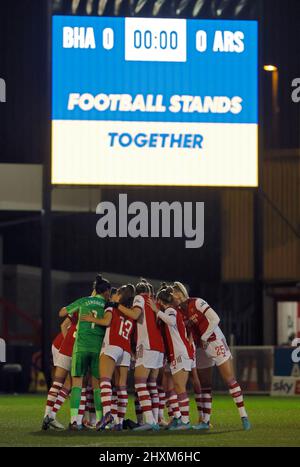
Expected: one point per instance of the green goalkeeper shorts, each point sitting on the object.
(83, 362)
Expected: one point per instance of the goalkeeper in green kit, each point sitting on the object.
(87, 346)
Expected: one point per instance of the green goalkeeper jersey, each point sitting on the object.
(89, 336)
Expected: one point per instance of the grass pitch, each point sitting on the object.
(275, 422)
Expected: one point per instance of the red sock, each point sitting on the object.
(87, 403)
(81, 406)
(199, 404)
(173, 403)
(138, 409)
(144, 399)
(236, 392)
(152, 388)
(61, 397)
(206, 401)
(106, 394)
(52, 395)
(162, 401)
(122, 402)
(184, 407)
(114, 403)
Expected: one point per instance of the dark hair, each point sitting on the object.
(165, 295)
(150, 286)
(142, 287)
(163, 285)
(127, 293)
(101, 285)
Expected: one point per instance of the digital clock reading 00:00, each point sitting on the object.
(155, 39)
(148, 39)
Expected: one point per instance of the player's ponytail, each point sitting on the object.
(163, 285)
(101, 285)
(142, 279)
(166, 295)
(142, 287)
(149, 287)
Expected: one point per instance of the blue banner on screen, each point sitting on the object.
(148, 101)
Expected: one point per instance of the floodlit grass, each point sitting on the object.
(275, 422)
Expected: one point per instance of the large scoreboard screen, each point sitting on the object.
(149, 101)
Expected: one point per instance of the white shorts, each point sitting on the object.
(216, 353)
(55, 354)
(181, 363)
(119, 355)
(149, 358)
(63, 361)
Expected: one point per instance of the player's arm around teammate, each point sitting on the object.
(212, 350)
(105, 321)
(88, 343)
(179, 353)
(149, 356)
(65, 325)
(115, 354)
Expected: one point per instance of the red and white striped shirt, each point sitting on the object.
(176, 340)
(148, 332)
(120, 330)
(204, 321)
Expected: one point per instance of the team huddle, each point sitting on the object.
(165, 338)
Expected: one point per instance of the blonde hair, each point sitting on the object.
(179, 286)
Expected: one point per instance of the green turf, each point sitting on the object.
(276, 422)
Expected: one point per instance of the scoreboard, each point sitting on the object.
(151, 101)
